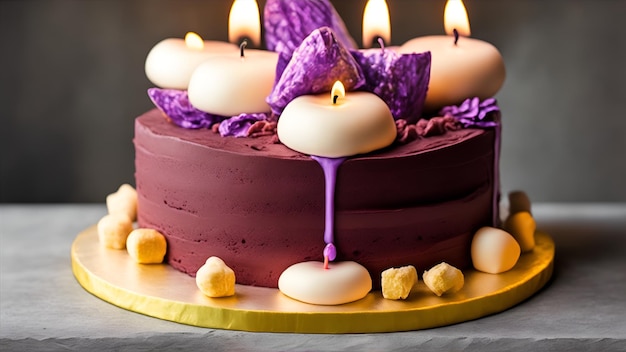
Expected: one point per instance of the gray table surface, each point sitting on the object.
(42, 307)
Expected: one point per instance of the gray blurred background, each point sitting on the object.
(72, 81)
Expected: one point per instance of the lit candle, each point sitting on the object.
(234, 84)
(243, 22)
(461, 67)
(337, 125)
(376, 23)
(171, 62)
(237, 83)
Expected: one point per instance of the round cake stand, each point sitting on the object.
(160, 291)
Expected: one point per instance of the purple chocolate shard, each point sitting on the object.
(288, 22)
(175, 105)
(314, 67)
(239, 126)
(400, 80)
(474, 113)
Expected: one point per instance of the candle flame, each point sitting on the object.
(455, 17)
(194, 41)
(376, 22)
(244, 22)
(338, 91)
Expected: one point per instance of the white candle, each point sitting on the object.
(469, 68)
(230, 85)
(337, 125)
(171, 62)
(309, 282)
(376, 22)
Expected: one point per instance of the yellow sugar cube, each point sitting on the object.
(113, 229)
(146, 246)
(397, 282)
(522, 226)
(124, 201)
(519, 201)
(215, 278)
(444, 278)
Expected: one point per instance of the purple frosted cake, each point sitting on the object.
(227, 187)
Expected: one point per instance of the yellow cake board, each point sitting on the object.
(160, 291)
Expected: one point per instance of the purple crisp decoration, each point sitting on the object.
(314, 67)
(288, 22)
(400, 80)
(474, 113)
(239, 126)
(175, 105)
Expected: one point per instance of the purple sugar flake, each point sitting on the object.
(239, 126)
(474, 113)
(314, 67)
(288, 22)
(400, 80)
(175, 105)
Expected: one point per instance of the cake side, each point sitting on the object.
(260, 205)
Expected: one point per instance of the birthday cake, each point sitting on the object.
(260, 205)
(333, 155)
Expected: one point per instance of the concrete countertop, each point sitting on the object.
(43, 308)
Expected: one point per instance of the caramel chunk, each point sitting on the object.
(397, 282)
(443, 278)
(215, 278)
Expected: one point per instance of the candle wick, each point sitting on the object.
(335, 97)
(456, 35)
(242, 46)
(325, 262)
(381, 42)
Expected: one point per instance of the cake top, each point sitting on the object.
(310, 51)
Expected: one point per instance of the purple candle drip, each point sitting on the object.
(330, 167)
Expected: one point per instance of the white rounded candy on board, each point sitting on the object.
(309, 282)
(494, 251)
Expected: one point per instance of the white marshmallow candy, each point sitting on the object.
(124, 201)
(494, 251)
(113, 230)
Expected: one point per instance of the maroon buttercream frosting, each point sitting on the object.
(260, 206)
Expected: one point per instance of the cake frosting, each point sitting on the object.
(259, 205)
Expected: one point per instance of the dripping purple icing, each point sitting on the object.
(330, 167)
